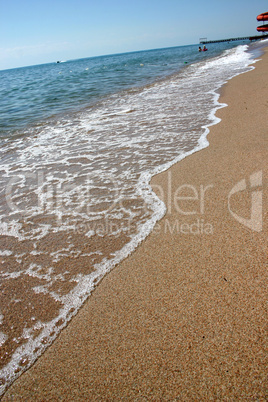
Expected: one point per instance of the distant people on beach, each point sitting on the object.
(204, 48)
(200, 50)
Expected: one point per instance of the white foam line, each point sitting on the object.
(84, 288)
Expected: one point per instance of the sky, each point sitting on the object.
(43, 31)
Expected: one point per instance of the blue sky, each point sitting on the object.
(43, 31)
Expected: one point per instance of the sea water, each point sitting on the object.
(80, 141)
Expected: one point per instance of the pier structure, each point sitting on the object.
(204, 41)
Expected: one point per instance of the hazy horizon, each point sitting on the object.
(40, 33)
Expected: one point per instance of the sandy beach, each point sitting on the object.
(185, 316)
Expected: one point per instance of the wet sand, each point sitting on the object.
(185, 316)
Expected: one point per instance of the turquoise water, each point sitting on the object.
(31, 95)
(80, 141)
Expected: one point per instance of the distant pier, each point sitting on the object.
(204, 41)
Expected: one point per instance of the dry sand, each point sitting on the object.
(184, 317)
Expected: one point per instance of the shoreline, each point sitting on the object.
(147, 330)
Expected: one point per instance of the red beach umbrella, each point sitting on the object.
(263, 28)
(263, 17)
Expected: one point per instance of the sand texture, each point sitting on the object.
(185, 316)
